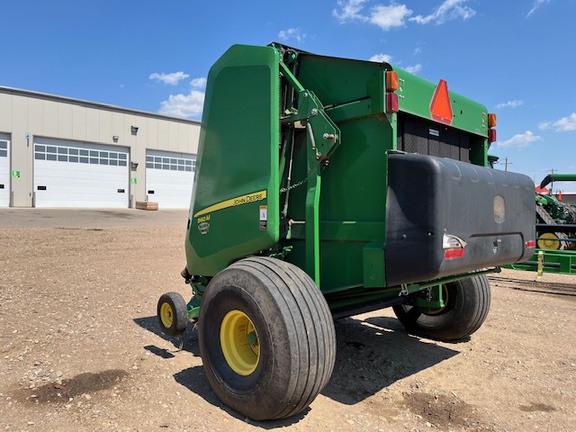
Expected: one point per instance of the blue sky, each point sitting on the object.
(516, 57)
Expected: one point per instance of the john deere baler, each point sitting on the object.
(326, 187)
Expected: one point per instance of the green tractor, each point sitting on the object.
(555, 219)
(328, 187)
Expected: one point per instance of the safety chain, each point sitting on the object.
(301, 182)
(294, 186)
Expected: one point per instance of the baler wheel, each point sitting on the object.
(266, 338)
(240, 343)
(549, 241)
(467, 306)
(172, 313)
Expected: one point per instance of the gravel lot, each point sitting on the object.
(80, 348)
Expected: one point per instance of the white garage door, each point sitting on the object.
(169, 178)
(76, 174)
(4, 171)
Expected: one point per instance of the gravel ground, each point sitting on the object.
(80, 348)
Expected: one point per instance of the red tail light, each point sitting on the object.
(392, 103)
(491, 135)
(454, 253)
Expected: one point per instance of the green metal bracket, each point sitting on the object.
(281, 254)
(313, 224)
(322, 138)
(193, 313)
(323, 134)
(287, 73)
(193, 308)
(413, 288)
(198, 289)
(434, 301)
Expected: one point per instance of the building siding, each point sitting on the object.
(28, 114)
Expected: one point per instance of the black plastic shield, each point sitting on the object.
(436, 206)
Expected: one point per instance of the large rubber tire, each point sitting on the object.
(277, 330)
(172, 313)
(467, 306)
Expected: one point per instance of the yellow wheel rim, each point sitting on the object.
(549, 241)
(166, 315)
(239, 341)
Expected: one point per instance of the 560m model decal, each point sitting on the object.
(241, 200)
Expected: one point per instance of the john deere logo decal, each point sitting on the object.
(204, 227)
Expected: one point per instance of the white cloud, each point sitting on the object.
(413, 69)
(198, 83)
(536, 5)
(510, 104)
(520, 140)
(169, 78)
(395, 15)
(349, 11)
(380, 58)
(387, 17)
(186, 105)
(182, 105)
(449, 10)
(292, 34)
(565, 124)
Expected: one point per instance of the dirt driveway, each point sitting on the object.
(80, 348)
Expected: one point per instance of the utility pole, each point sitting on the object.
(506, 164)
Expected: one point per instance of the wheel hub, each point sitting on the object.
(239, 342)
(166, 315)
(549, 241)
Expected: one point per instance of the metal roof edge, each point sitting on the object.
(70, 100)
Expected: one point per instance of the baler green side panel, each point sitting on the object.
(354, 184)
(235, 204)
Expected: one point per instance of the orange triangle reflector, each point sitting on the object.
(440, 107)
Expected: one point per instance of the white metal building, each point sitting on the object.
(62, 152)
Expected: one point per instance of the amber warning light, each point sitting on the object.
(392, 81)
(492, 120)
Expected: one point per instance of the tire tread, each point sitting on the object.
(309, 328)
